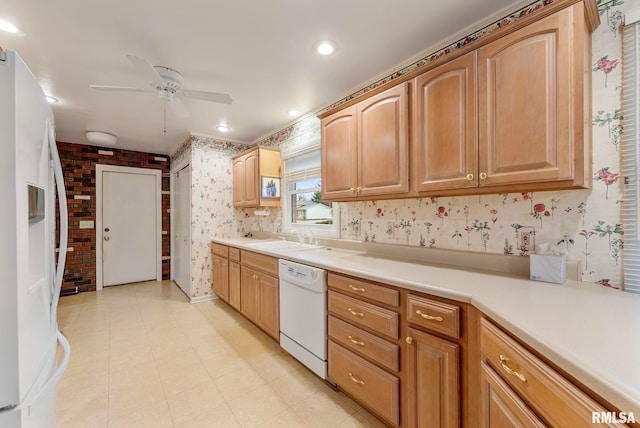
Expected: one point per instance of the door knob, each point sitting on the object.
(106, 238)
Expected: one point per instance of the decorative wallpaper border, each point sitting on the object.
(298, 129)
(210, 143)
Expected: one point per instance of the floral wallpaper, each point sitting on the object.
(585, 222)
(212, 213)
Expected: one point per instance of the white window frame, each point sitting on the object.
(317, 230)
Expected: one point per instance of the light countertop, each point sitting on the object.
(590, 331)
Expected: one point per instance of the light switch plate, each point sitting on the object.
(86, 224)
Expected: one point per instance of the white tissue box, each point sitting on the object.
(548, 268)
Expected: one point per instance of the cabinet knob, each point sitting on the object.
(358, 189)
(409, 340)
(352, 190)
(483, 176)
(470, 177)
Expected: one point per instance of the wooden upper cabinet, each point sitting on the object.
(365, 148)
(248, 169)
(532, 115)
(339, 154)
(383, 149)
(445, 154)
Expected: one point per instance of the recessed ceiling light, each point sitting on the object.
(223, 128)
(325, 47)
(294, 113)
(8, 27)
(52, 100)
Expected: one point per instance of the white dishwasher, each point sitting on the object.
(303, 314)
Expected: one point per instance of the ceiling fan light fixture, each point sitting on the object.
(101, 138)
(325, 47)
(223, 128)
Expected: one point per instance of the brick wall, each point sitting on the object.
(79, 168)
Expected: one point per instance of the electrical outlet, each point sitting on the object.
(524, 241)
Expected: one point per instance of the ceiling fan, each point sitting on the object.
(168, 85)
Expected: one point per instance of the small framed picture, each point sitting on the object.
(270, 187)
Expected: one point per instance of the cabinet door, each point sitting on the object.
(339, 154)
(433, 381)
(221, 277)
(529, 98)
(238, 182)
(501, 406)
(234, 284)
(383, 150)
(269, 312)
(250, 293)
(251, 178)
(445, 143)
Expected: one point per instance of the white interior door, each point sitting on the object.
(129, 227)
(182, 235)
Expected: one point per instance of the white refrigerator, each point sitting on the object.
(30, 275)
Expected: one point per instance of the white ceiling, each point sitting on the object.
(259, 51)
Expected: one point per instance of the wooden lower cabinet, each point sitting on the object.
(501, 406)
(375, 388)
(552, 397)
(249, 295)
(259, 300)
(269, 303)
(234, 285)
(221, 277)
(433, 381)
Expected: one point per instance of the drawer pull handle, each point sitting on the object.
(255, 276)
(358, 314)
(359, 289)
(355, 341)
(355, 379)
(503, 363)
(428, 317)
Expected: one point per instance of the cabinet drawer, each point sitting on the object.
(376, 388)
(361, 288)
(434, 315)
(220, 250)
(260, 261)
(549, 394)
(364, 314)
(234, 254)
(380, 351)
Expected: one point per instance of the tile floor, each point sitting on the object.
(143, 356)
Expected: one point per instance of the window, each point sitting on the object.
(302, 205)
(630, 166)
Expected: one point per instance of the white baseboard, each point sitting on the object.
(200, 299)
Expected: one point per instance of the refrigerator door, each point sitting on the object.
(27, 333)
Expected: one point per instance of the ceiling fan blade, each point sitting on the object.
(208, 96)
(147, 69)
(118, 88)
(178, 107)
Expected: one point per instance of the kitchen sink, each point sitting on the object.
(283, 246)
